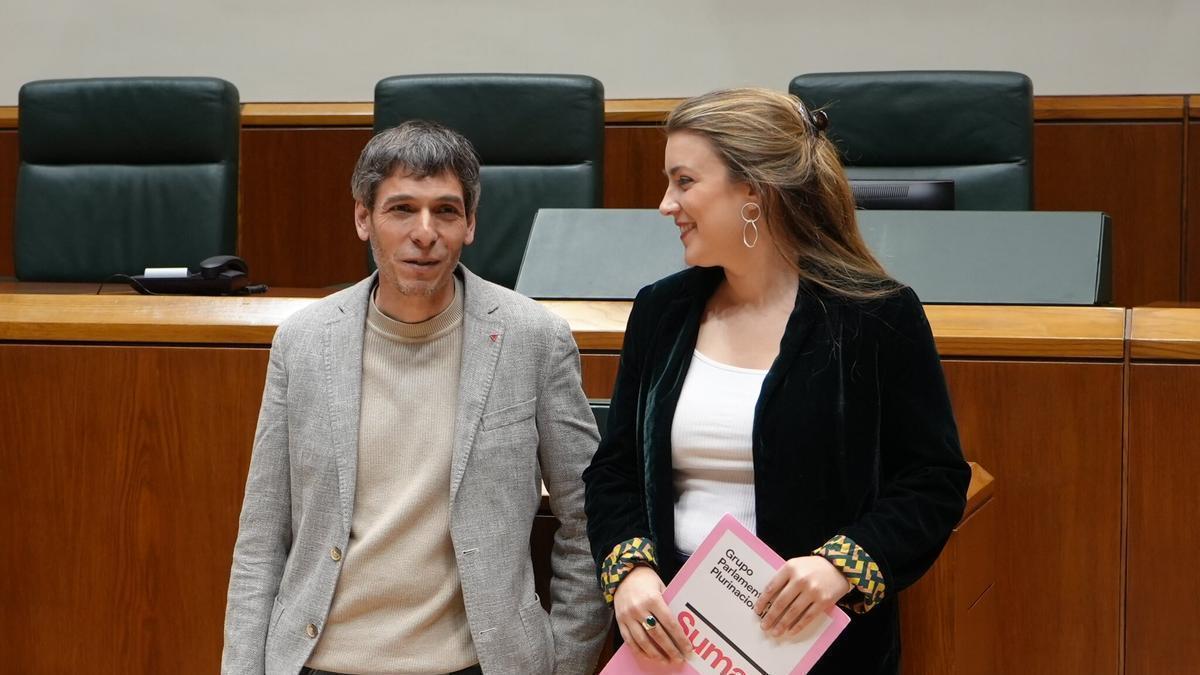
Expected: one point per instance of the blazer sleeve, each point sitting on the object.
(264, 532)
(614, 481)
(923, 476)
(567, 439)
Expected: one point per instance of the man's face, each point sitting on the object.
(417, 231)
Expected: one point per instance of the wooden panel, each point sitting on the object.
(121, 481)
(297, 218)
(599, 374)
(655, 111)
(10, 160)
(1051, 434)
(978, 633)
(1108, 108)
(633, 167)
(135, 318)
(1168, 333)
(596, 325)
(975, 545)
(1087, 332)
(981, 330)
(941, 618)
(639, 110)
(1162, 593)
(1191, 234)
(1133, 172)
(927, 623)
(308, 114)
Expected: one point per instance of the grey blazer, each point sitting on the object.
(522, 415)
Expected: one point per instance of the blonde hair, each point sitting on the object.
(769, 140)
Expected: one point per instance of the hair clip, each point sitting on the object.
(819, 119)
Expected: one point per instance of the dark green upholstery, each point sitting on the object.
(120, 174)
(540, 140)
(974, 127)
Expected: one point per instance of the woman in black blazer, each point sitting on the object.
(844, 456)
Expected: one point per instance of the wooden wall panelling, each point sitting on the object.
(633, 166)
(1163, 594)
(1191, 233)
(107, 568)
(297, 215)
(1133, 172)
(9, 161)
(599, 372)
(1050, 432)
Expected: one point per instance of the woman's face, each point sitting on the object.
(705, 203)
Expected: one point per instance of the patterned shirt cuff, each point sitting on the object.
(624, 557)
(859, 569)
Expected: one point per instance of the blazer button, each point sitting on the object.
(310, 630)
(335, 553)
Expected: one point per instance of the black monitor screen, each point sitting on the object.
(923, 195)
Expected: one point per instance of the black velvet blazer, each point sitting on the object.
(853, 435)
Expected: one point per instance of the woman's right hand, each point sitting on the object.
(638, 596)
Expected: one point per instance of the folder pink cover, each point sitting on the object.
(712, 598)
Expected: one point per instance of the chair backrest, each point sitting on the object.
(973, 127)
(120, 174)
(968, 257)
(600, 412)
(540, 140)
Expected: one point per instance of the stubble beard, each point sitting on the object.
(407, 288)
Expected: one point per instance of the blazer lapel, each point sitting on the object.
(343, 376)
(483, 338)
(809, 311)
(668, 358)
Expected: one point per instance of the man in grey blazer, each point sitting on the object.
(405, 425)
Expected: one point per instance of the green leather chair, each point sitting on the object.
(120, 174)
(973, 127)
(540, 140)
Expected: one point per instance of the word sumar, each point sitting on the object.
(713, 656)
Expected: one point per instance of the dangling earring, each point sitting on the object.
(750, 224)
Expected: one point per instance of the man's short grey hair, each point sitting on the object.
(421, 149)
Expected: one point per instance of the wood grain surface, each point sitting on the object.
(121, 480)
(1132, 172)
(297, 219)
(357, 114)
(1165, 333)
(1108, 108)
(655, 110)
(948, 619)
(1051, 434)
(633, 167)
(1162, 596)
(136, 318)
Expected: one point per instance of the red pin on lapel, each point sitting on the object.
(495, 336)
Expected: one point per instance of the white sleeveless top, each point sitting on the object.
(711, 448)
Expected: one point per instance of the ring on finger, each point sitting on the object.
(649, 623)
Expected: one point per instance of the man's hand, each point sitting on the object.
(639, 596)
(803, 589)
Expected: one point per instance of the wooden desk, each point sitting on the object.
(118, 410)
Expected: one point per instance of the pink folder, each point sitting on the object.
(711, 597)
